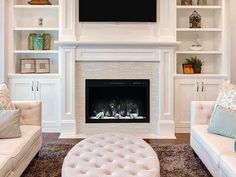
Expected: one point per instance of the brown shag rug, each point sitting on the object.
(175, 161)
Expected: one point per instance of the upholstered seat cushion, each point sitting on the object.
(16, 148)
(228, 165)
(5, 165)
(115, 155)
(215, 145)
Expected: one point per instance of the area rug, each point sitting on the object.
(175, 161)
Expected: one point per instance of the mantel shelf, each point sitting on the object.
(36, 29)
(35, 51)
(36, 6)
(198, 7)
(199, 29)
(200, 52)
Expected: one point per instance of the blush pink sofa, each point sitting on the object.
(16, 153)
(216, 152)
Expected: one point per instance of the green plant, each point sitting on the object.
(195, 62)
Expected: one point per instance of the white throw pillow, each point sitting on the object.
(10, 124)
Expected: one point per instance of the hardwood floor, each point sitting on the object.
(180, 139)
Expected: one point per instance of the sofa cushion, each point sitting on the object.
(214, 145)
(5, 165)
(227, 96)
(223, 122)
(10, 124)
(16, 148)
(228, 165)
(5, 101)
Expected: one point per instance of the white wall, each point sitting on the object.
(233, 37)
(1, 41)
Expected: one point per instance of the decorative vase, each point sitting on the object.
(195, 20)
(38, 42)
(201, 2)
(46, 41)
(31, 41)
(186, 2)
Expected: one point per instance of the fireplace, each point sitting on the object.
(117, 101)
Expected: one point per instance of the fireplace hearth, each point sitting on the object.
(117, 101)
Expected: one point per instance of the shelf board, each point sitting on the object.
(199, 7)
(199, 29)
(47, 75)
(36, 29)
(199, 75)
(36, 51)
(200, 52)
(36, 6)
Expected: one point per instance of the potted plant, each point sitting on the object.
(196, 63)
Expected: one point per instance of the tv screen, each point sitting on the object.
(117, 10)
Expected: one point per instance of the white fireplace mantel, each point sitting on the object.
(72, 52)
(117, 42)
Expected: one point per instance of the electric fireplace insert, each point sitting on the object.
(117, 101)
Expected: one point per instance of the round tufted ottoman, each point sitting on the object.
(111, 155)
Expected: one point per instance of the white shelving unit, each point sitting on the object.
(25, 21)
(204, 86)
(211, 34)
(44, 87)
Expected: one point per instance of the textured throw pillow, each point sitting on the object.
(10, 124)
(5, 101)
(223, 121)
(227, 96)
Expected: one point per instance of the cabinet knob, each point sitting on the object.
(202, 86)
(197, 86)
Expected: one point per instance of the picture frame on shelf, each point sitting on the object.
(27, 66)
(42, 65)
(188, 69)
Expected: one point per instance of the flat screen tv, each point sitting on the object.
(117, 10)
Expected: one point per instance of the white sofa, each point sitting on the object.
(16, 154)
(216, 152)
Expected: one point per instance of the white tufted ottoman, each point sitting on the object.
(111, 155)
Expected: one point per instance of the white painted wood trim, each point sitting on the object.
(67, 23)
(67, 57)
(167, 20)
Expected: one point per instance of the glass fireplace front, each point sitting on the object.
(117, 101)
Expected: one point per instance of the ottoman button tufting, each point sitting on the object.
(115, 155)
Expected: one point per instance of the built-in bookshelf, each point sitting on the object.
(25, 20)
(211, 35)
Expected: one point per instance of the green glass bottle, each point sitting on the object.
(38, 42)
(46, 41)
(201, 2)
(31, 41)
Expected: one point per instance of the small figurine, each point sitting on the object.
(40, 22)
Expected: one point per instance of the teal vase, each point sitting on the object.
(38, 42)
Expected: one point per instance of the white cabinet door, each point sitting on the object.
(210, 89)
(186, 91)
(22, 89)
(47, 91)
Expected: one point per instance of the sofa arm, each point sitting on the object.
(31, 112)
(201, 112)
